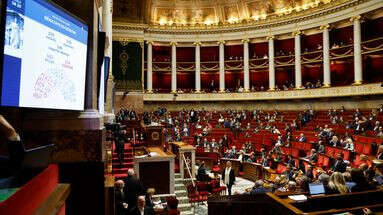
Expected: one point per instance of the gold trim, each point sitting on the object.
(245, 40)
(271, 89)
(221, 42)
(197, 43)
(173, 43)
(324, 27)
(272, 37)
(358, 82)
(297, 32)
(326, 85)
(354, 18)
(329, 92)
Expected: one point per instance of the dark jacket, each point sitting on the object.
(339, 166)
(133, 188)
(231, 174)
(119, 200)
(136, 211)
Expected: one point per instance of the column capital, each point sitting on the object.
(149, 42)
(246, 40)
(297, 33)
(173, 43)
(355, 18)
(324, 27)
(271, 37)
(197, 43)
(221, 42)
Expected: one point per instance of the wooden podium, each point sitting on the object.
(156, 170)
(154, 135)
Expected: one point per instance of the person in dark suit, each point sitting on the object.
(228, 177)
(133, 188)
(119, 195)
(301, 138)
(340, 165)
(201, 173)
(140, 208)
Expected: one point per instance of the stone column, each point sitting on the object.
(221, 66)
(149, 73)
(107, 13)
(271, 63)
(298, 64)
(197, 67)
(326, 56)
(358, 73)
(246, 75)
(174, 66)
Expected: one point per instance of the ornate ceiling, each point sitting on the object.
(208, 12)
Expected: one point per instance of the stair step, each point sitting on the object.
(186, 212)
(180, 193)
(177, 175)
(184, 207)
(183, 200)
(179, 187)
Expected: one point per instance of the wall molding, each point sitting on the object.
(344, 91)
(284, 25)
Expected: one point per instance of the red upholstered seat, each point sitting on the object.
(367, 149)
(358, 147)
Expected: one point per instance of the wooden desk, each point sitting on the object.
(156, 171)
(252, 171)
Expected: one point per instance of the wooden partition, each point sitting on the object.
(252, 171)
(270, 203)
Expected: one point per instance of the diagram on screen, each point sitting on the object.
(54, 81)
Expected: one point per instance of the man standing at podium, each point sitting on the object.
(228, 177)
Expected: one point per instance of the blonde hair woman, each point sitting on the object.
(337, 184)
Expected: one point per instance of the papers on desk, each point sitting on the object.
(140, 156)
(298, 198)
(153, 154)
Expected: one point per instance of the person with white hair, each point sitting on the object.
(133, 188)
(140, 208)
(119, 195)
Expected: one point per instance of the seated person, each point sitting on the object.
(201, 173)
(337, 184)
(289, 173)
(149, 197)
(340, 165)
(290, 161)
(361, 183)
(258, 188)
(11, 164)
(301, 138)
(309, 172)
(141, 208)
(313, 156)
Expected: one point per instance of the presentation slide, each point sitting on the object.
(45, 51)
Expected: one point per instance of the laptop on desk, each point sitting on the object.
(316, 189)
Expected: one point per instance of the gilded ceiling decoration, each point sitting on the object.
(207, 12)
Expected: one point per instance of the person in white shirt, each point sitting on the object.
(349, 144)
(228, 177)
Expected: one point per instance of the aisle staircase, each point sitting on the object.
(183, 201)
(120, 172)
